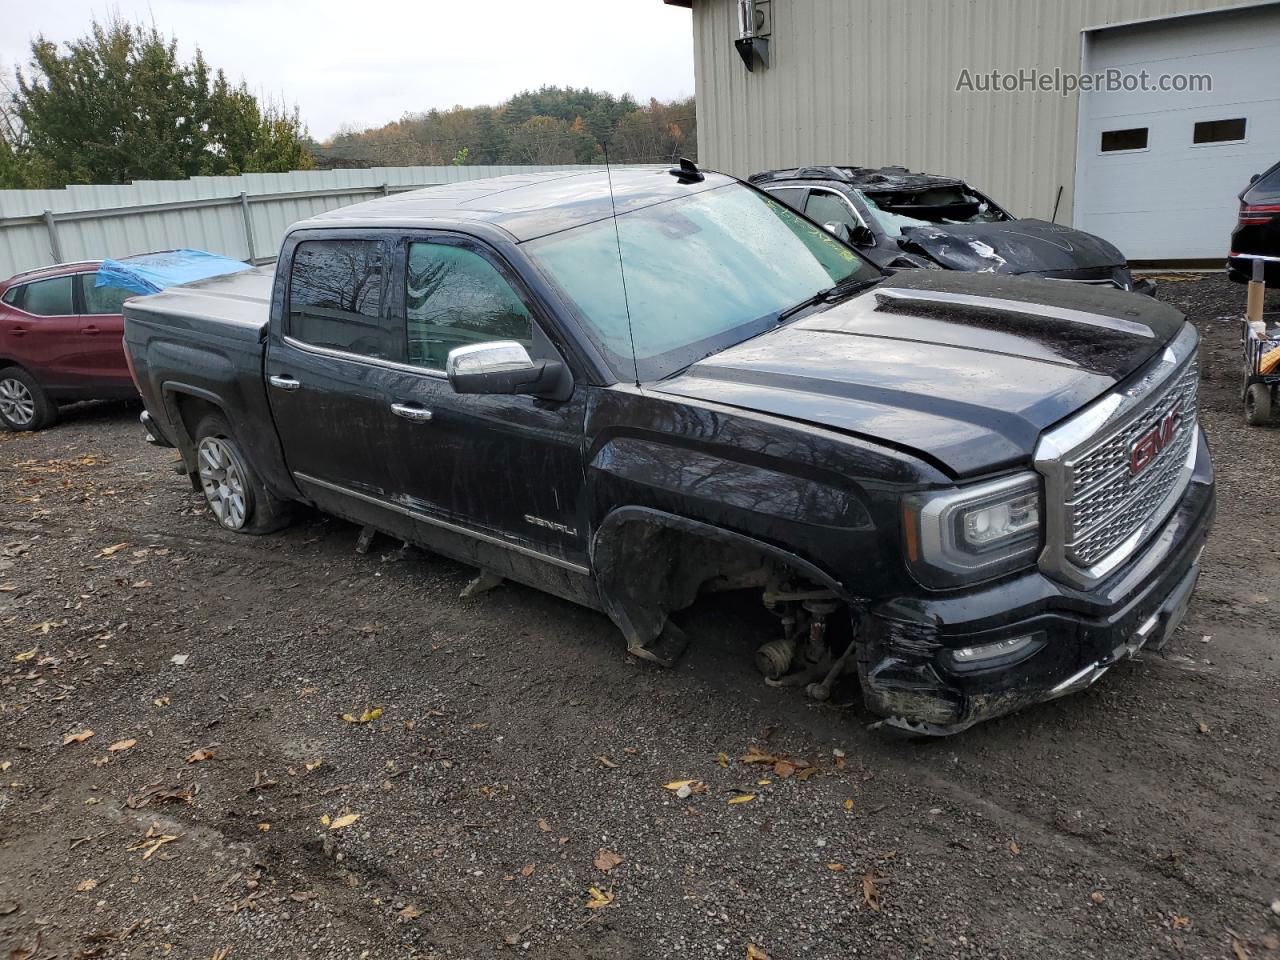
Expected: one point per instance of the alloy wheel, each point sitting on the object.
(16, 403)
(223, 482)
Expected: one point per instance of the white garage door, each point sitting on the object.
(1158, 172)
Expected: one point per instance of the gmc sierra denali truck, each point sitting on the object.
(973, 492)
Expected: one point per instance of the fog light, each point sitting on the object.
(1000, 650)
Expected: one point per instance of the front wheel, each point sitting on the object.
(23, 403)
(1257, 405)
(238, 499)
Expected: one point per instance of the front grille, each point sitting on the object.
(1104, 502)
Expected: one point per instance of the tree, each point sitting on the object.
(542, 140)
(118, 105)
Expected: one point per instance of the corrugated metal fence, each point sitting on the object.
(243, 217)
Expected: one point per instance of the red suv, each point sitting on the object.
(60, 340)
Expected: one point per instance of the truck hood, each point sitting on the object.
(1012, 246)
(961, 369)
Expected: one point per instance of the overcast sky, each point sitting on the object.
(367, 62)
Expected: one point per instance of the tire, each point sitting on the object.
(23, 403)
(236, 495)
(1257, 405)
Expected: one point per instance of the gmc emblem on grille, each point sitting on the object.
(1150, 445)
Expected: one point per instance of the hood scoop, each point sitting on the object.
(961, 304)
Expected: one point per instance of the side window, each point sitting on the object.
(101, 300)
(793, 197)
(454, 297)
(12, 296)
(825, 207)
(335, 298)
(49, 298)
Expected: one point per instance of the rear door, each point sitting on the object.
(44, 332)
(327, 369)
(102, 331)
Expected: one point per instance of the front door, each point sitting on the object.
(44, 333)
(509, 467)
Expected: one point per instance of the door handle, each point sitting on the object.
(18, 331)
(91, 330)
(284, 382)
(411, 411)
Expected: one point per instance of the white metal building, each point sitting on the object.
(877, 82)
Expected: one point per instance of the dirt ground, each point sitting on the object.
(177, 777)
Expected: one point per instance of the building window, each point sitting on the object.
(1219, 131)
(1132, 139)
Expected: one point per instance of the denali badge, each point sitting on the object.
(1149, 446)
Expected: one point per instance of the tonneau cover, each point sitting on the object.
(236, 304)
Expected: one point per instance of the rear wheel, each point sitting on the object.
(236, 496)
(1257, 405)
(23, 404)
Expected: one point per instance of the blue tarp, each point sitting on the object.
(153, 272)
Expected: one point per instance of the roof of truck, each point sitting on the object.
(526, 205)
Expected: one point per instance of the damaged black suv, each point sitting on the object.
(899, 220)
(969, 492)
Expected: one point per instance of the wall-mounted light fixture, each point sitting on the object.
(755, 26)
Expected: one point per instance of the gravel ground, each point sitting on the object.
(507, 762)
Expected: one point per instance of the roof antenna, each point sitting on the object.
(635, 360)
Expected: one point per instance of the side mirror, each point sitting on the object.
(838, 230)
(504, 367)
(1255, 178)
(862, 236)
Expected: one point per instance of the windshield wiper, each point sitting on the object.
(845, 288)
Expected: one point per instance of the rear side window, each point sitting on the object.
(1135, 138)
(1265, 188)
(49, 298)
(336, 295)
(102, 300)
(793, 197)
(11, 296)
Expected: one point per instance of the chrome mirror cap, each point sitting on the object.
(492, 357)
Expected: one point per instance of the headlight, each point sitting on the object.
(975, 532)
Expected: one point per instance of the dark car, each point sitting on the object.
(1257, 233)
(60, 340)
(971, 492)
(900, 220)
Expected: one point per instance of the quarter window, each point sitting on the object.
(49, 298)
(793, 197)
(1135, 138)
(825, 207)
(12, 295)
(335, 298)
(1218, 131)
(99, 301)
(455, 297)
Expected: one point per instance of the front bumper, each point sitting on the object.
(908, 669)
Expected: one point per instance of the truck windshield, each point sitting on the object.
(702, 273)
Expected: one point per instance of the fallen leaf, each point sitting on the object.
(264, 827)
(836, 867)
(141, 585)
(1097, 897)
(79, 737)
(848, 803)
(161, 701)
(1238, 949)
(755, 953)
(373, 713)
(204, 753)
(597, 898)
(606, 860)
(1014, 848)
(1203, 728)
(314, 764)
(755, 755)
(1180, 923)
(344, 821)
(806, 773)
(544, 826)
(677, 784)
(221, 953)
(84, 886)
(153, 841)
(742, 798)
(783, 769)
(606, 762)
(5, 765)
(870, 891)
(26, 655)
(112, 551)
(722, 759)
(122, 745)
(410, 912)
(527, 870)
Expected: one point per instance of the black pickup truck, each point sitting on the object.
(972, 492)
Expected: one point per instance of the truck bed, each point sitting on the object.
(198, 349)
